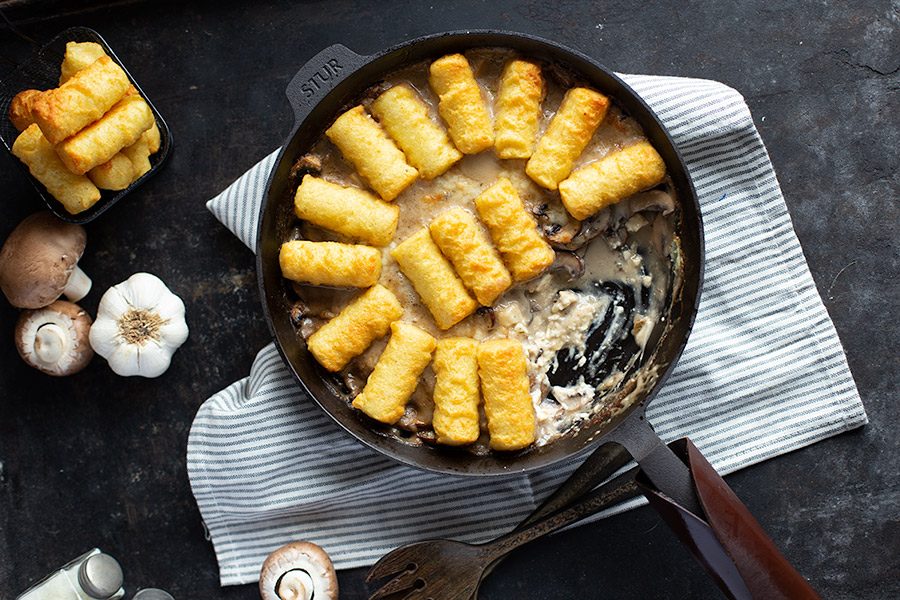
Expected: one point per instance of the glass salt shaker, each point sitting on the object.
(91, 576)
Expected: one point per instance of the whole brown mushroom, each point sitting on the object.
(54, 339)
(298, 571)
(39, 262)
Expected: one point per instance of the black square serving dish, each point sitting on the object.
(41, 72)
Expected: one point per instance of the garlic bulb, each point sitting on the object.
(139, 325)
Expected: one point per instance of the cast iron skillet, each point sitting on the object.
(709, 522)
(327, 84)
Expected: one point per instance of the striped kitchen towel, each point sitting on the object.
(763, 374)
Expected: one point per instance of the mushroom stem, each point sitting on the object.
(50, 343)
(296, 584)
(78, 286)
(298, 571)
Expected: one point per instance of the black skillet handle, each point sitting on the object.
(709, 518)
(320, 75)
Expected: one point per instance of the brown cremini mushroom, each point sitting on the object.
(298, 571)
(54, 339)
(652, 200)
(561, 235)
(39, 262)
(569, 263)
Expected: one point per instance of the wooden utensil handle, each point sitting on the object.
(726, 531)
(616, 490)
(597, 468)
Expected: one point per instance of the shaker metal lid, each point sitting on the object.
(100, 576)
(153, 594)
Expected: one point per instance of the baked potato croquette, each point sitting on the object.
(456, 393)
(365, 144)
(83, 99)
(404, 115)
(612, 178)
(503, 371)
(396, 373)
(525, 251)
(518, 110)
(461, 104)
(115, 174)
(581, 112)
(75, 192)
(352, 331)
(349, 211)
(139, 155)
(330, 263)
(79, 56)
(132, 161)
(153, 138)
(20, 109)
(121, 127)
(434, 280)
(462, 240)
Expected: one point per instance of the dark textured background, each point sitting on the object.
(99, 460)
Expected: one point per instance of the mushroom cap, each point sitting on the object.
(652, 200)
(302, 556)
(37, 259)
(568, 261)
(64, 316)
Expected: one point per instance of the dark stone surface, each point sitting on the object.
(99, 460)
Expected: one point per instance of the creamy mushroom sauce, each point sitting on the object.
(585, 324)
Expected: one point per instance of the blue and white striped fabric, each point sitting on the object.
(763, 374)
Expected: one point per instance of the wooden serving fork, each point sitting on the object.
(451, 570)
